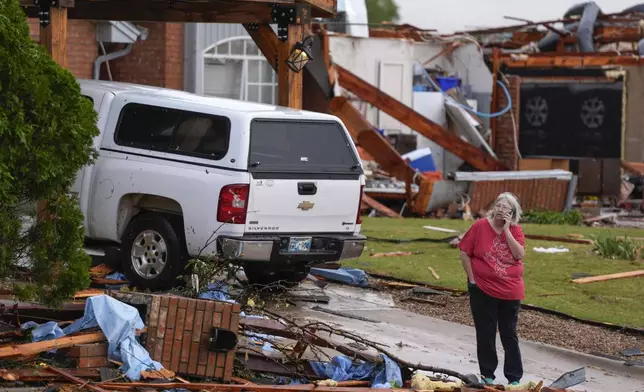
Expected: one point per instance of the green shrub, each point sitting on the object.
(572, 217)
(46, 132)
(611, 247)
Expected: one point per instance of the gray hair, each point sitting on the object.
(514, 203)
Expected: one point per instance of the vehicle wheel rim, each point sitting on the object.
(149, 254)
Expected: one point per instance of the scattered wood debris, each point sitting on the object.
(381, 208)
(603, 278)
(434, 274)
(394, 254)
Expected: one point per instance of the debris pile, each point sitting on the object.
(228, 336)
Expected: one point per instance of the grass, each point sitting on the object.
(547, 276)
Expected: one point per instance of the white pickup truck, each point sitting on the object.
(181, 176)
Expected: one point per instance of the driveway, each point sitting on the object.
(449, 345)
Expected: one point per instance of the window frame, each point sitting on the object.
(181, 116)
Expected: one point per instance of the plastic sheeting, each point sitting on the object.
(217, 291)
(118, 321)
(47, 331)
(341, 368)
(354, 277)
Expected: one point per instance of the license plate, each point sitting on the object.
(299, 244)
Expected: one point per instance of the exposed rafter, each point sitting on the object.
(205, 11)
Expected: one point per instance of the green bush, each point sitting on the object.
(46, 132)
(572, 217)
(611, 247)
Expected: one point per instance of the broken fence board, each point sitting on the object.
(603, 278)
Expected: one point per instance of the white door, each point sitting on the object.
(393, 81)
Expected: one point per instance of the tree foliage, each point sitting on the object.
(379, 11)
(46, 132)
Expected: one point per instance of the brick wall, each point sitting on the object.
(157, 61)
(82, 48)
(504, 144)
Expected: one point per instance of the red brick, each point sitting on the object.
(92, 362)
(157, 61)
(504, 144)
(82, 48)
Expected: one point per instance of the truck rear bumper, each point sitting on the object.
(263, 248)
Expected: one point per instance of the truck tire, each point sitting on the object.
(258, 274)
(152, 252)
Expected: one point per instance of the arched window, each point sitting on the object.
(235, 68)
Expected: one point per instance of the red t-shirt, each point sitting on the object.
(496, 272)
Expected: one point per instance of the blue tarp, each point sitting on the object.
(115, 276)
(217, 291)
(118, 321)
(354, 277)
(342, 368)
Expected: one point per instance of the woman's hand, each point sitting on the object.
(507, 218)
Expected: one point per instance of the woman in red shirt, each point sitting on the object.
(491, 252)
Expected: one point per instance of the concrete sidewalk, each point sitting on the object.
(449, 345)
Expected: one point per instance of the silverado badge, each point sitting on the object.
(305, 205)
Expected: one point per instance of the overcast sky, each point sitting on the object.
(449, 15)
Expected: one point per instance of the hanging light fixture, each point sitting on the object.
(300, 55)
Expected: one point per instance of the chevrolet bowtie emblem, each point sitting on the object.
(305, 205)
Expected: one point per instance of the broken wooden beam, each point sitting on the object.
(381, 208)
(558, 239)
(45, 375)
(69, 377)
(416, 121)
(27, 349)
(365, 135)
(603, 278)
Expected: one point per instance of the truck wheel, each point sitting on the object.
(263, 276)
(152, 252)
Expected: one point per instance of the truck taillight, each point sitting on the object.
(233, 204)
(359, 218)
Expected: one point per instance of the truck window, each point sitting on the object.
(171, 130)
(300, 146)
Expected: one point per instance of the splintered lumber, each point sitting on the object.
(434, 274)
(88, 293)
(27, 349)
(558, 239)
(392, 254)
(603, 278)
(384, 210)
(42, 375)
(69, 377)
(469, 153)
